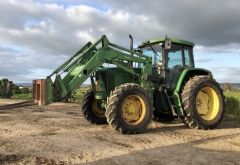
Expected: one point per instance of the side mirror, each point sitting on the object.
(168, 44)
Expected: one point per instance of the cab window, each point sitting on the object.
(187, 53)
(175, 56)
(179, 56)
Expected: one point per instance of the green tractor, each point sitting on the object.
(130, 87)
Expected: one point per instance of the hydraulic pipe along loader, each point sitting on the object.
(130, 87)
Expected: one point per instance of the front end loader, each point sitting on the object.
(130, 87)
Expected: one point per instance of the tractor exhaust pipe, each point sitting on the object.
(131, 48)
(131, 42)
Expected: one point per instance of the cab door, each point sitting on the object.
(178, 58)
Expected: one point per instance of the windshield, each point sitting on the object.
(154, 51)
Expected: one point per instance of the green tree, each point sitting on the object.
(227, 87)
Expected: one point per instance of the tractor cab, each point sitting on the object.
(170, 57)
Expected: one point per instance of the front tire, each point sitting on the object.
(129, 109)
(203, 103)
(91, 111)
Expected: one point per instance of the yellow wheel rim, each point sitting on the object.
(97, 110)
(208, 103)
(133, 109)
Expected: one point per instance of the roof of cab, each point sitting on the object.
(174, 40)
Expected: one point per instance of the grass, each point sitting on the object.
(79, 93)
(27, 96)
(234, 94)
(232, 104)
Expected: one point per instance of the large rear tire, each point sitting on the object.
(129, 109)
(203, 103)
(91, 110)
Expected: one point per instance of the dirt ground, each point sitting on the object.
(10, 101)
(58, 134)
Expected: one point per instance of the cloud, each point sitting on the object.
(229, 48)
(229, 74)
(41, 34)
(206, 23)
(24, 66)
(202, 60)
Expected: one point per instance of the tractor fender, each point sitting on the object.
(187, 74)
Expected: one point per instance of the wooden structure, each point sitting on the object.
(39, 91)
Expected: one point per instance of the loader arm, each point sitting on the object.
(75, 71)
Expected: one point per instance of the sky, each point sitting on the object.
(36, 36)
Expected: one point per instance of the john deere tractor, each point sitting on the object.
(130, 87)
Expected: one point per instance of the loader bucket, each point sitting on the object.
(39, 91)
